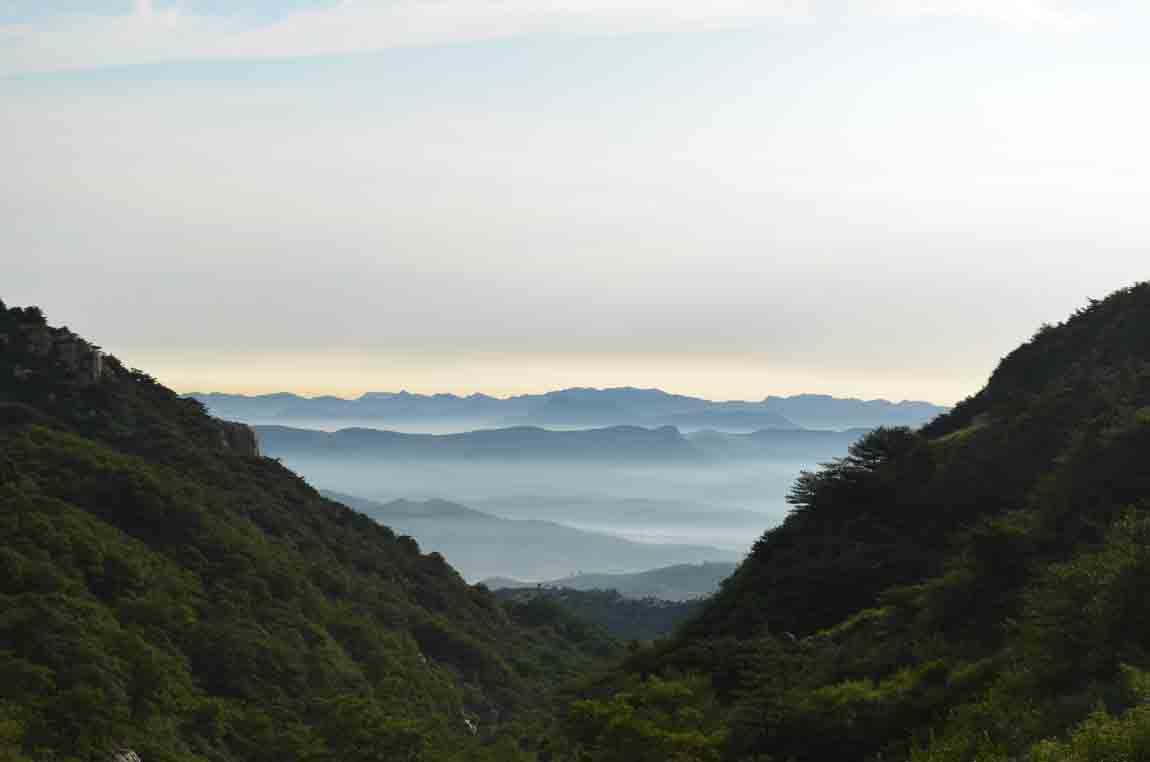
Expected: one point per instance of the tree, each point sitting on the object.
(357, 729)
(11, 736)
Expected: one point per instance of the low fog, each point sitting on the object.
(560, 493)
(723, 505)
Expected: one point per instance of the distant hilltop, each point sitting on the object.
(680, 582)
(575, 407)
(51, 375)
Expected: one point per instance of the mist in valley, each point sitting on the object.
(519, 513)
(724, 505)
(588, 481)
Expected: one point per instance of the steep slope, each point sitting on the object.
(958, 593)
(163, 588)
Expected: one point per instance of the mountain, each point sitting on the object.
(974, 590)
(774, 444)
(707, 488)
(615, 444)
(481, 545)
(165, 589)
(680, 582)
(566, 408)
(821, 411)
(620, 445)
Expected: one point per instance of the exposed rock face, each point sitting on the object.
(238, 438)
(85, 363)
(125, 755)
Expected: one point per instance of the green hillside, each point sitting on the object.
(971, 591)
(630, 619)
(164, 589)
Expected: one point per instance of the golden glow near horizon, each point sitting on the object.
(350, 374)
(879, 199)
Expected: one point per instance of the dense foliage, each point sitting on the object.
(971, 591)
(161, 593)
(626, 618)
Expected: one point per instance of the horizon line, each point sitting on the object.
(401, 392)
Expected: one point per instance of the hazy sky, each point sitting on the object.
(728, 198)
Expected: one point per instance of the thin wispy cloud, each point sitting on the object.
(150, 32)
(1043, 14)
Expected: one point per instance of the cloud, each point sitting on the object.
(1048, 14)
(152, 33)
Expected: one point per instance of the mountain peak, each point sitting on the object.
(73, 383)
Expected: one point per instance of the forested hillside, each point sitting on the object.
(165, 589)
(630, 619)
(971, 591)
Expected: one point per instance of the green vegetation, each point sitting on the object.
(625, 618)
(971, 591)
(163, 593)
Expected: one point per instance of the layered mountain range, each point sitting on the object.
(615, 444)
(679, 582)
(652, 485)
(481, 545)
(567, 408)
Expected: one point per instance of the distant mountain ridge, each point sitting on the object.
(617, 443)
(575, 407)
(679, 582)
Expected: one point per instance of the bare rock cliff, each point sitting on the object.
(238, 438)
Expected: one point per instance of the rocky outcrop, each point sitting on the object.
(238, 438)
(125, 755)
(83, 363)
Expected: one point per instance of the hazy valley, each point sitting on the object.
(481, 545)
(539, 503)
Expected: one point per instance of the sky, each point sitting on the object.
(867, 198)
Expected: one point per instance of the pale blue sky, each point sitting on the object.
(869, 197)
